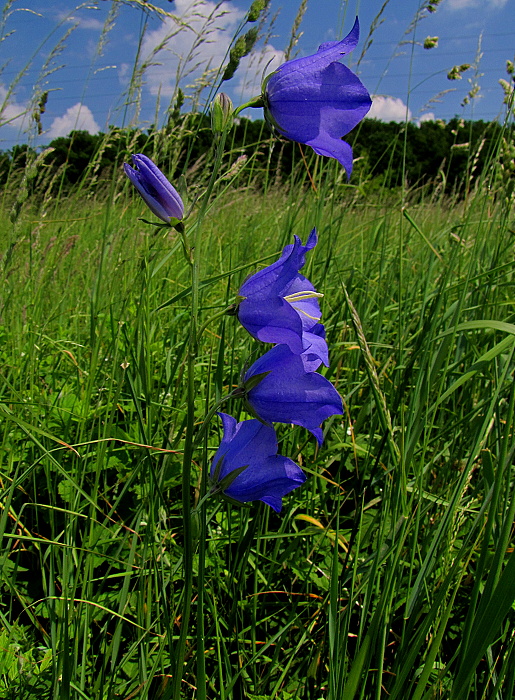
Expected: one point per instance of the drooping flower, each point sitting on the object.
(278, 389)
(281, 306)
(157, 193)
(316, 100)
(246, 466)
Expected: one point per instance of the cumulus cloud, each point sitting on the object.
(77, 117)
(124, 73)
(426, 117)
(82, 22)
(12, 113)
(90, 23)
(389, 109)
(181, 50)
(468, 4)
(253, 68)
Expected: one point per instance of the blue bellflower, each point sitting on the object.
(287, 393)
(281, 306)
(249, 451)
(316, 100)
(157, 193)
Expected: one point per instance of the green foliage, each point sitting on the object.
(257, 7)
(432, 155)
(402, 533)
(25, 669)
(242, 47)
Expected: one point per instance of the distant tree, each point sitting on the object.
(387, 153)
(74, 152)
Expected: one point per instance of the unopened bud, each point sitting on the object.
(222, 114)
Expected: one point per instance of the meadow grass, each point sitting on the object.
(388, 574)
(380, 575)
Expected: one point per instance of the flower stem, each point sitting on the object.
(201, 655)
(189, 442)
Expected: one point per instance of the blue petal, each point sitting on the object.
(229, 425)
(272, 321)
(346, 45)
(159, 195)
(151, 202)
(324, 145)
(265, 312)
(241, 443)
(320, 110)
(268, 476)
(327, 53)
(276, 277)
(316, 100)
(267, 480)
(316, 350)
(166, 194)
(289, 394)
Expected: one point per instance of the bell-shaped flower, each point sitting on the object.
(281, 306)
(278, 389)
(157, 193)
(316, 100)
(246, 466)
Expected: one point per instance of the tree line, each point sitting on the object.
(452, 154)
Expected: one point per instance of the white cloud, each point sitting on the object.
(389, 109)
(426, 117)
(483, 4)
(77, 117)
(11, 112)
(90, 23)
(124, 73)
(252, 69)
(184, 47)
(82, 22)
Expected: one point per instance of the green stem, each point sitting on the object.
(254, 102)
(207, 419)
(189, 443)
(209, 321)
(201, 655)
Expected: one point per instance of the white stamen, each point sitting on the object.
(303, 296)
(313, 318)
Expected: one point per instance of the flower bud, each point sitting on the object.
(155, 190)
(222, 114)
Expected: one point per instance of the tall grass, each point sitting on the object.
(389, 574)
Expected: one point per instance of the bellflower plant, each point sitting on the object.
(246, 466)
(157, 193)
(278, 389)
(316, 100)
(279, 305)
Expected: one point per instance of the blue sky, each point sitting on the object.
(62, 46)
